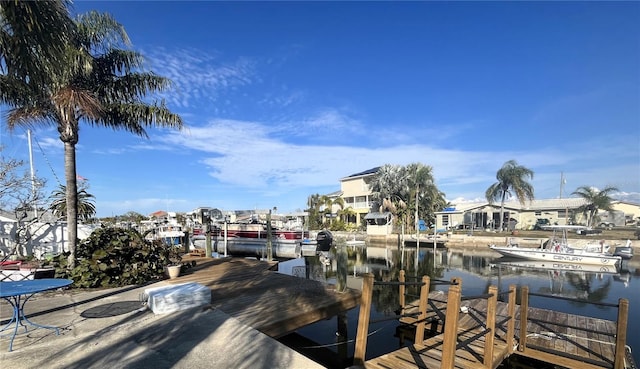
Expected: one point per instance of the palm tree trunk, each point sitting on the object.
(502, 210)
(72, 200)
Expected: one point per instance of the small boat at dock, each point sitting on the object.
(557, 249)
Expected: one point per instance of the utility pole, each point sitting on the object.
(33, 176)
(269, 245)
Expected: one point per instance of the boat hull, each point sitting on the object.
(242, 246)
(553, 256)
(556, 265)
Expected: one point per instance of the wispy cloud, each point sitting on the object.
(252, 155)
(199, 78)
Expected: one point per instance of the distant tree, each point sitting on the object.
(596, 200)
(86, 207)
(315, 217)
(20, 195)
(512, 180)
(100, 82)
(345, 214)
(389, 190)
(327, 204)
(425, 197)
(133, 217)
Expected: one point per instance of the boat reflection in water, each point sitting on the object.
(478, 268)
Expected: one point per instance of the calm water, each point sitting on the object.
(478, 269)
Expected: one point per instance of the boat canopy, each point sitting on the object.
(376, 218)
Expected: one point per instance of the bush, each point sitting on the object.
(115, 257)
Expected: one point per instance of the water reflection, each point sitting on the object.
(478, 269)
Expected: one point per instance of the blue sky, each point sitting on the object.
(282, 99)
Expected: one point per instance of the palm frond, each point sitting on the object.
(132, 87)
(98, 32)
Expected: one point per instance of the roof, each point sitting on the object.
(544, 204)
(334, 194)
(364, 173)
(158, 214)
(376, 215)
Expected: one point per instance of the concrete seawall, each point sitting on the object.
(464, 240)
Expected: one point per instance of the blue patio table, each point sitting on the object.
(18, 293)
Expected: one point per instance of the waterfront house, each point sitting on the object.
(356, 194)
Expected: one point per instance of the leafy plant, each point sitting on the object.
(114, 257)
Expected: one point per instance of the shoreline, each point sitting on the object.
(472, 241)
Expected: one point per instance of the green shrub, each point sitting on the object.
(114, 257)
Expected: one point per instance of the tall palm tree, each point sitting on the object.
(512, 180)
(596, 200)
(33, 35)
(86, 207)
(103, 85)
(425, 196)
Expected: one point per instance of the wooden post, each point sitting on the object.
(342, 349)
(208, 248)
(490, 325)
(422, 308)
(511, 324)
(401, 292)
(621, 333)
(458, 281)
(363, 320)
(524, 308)
(451, 328)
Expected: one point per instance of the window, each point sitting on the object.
(445, 220)
(538, 213)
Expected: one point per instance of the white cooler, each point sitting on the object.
(167, 299)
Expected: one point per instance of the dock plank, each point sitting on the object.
(554, 337)
(273, 303)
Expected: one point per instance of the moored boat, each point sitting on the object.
(251, 239)
(561, 254)
(558, 250)
(556, 265)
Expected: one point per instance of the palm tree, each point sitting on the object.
(596, 200)
(426, 196)
(327, 202)
(400, 189)
(389, 190)
(512, 180)
(33, 36)
(102, 85)
(86, 207)
(315, 220)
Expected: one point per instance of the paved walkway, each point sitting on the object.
(113, 329)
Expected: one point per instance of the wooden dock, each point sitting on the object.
(273, 303)
(481, 331)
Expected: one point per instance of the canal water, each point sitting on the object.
(587, 292)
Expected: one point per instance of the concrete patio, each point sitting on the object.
(113, 329)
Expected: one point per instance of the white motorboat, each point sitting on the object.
(555, 265)
(558, 250)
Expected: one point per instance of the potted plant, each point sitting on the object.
(173, 270)
(175, 263)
